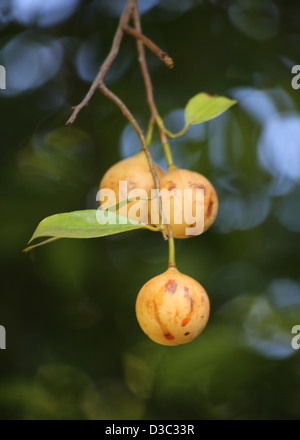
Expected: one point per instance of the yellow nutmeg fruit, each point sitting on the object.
(135, 172)
(172, 308)
(176, 181)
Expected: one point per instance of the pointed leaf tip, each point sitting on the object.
(203, 107)
(91, 223)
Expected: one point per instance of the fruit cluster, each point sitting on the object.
(171, 308)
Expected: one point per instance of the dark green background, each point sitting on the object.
(74, 347)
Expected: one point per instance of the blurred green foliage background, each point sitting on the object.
(74, 347)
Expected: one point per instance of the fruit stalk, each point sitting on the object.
(126, 112)
(172, 262)
(155, 118)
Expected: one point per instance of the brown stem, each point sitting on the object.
(131, 8)
(127, 113)
(149, 89)
(152, 46)
(148, 86)
(125, 17)
(143, 64)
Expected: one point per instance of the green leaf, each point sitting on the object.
(82, 224)
(120, 205)
(49, 240)
(203, 107)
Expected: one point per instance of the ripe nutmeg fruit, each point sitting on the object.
(136, 173)
(176, 181)
(172, 308)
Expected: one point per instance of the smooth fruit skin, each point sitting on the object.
(135, 171)
(179, 179)
(172, 308)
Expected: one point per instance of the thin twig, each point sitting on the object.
(150, 98)
(125, 17)
(143, 65)
(127, 113)
(152, 46)
(149, 89)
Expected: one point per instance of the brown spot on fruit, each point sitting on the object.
(210, 206)
(169, 336)
(171, 286)
(171, 186)
(187, 333)
(165, 331)
(187, 319)
(197, 186)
